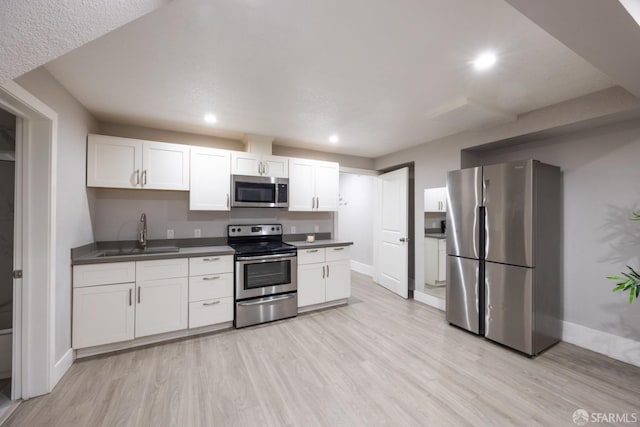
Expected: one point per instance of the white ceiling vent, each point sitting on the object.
(466, 114)
(258, 144)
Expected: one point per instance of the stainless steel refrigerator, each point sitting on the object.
(504, 247)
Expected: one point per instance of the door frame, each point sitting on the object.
(34, 371)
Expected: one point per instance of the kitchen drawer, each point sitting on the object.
(103, 274)
(162, 269)
(210, 265)
(338, 253)
(210, 312)
(210, 286)
(310, 256)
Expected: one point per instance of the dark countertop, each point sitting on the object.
(320, 244)
(435, 235)
(93, 252)
(93, 256)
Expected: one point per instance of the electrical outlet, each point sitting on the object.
(197, 232)
(293, 229)
(170, 233)
(316, 228)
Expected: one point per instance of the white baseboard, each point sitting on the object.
(62, 366)
(361, 267)
(429, 300)
(619, 348)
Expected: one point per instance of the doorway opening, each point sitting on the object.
(8, 124)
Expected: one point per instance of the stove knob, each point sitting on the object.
(233, 230)
(239, 230)
(273, 229)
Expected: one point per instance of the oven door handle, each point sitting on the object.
(266, 301)
(266, 257)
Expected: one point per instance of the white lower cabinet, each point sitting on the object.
(161, 306)
(435, 268)
(210, 312)
(210, 290)
(103, 314)
(159, 296)
(324, 275)
(311, 284)
(338, 281)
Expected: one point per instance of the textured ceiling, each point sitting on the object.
(33, 32)
(369, 71)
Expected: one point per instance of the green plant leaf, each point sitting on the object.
(631, 295)
(619, 287)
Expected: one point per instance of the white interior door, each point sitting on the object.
(392, 248)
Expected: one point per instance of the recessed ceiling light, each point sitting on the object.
(334, 139)
(484, 61)
(210, 118)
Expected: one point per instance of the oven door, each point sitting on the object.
(262, 275)
(254, 191)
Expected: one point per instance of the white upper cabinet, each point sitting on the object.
(313, 185)
(113, 162)
(301, 185)
(165, 166)
(327, 186)
(435, 199)
(132, 163)
(257, 165)
(210, 188)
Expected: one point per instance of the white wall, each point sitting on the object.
(116, 213)
(355, 215)
(73, 227)
(601, 187)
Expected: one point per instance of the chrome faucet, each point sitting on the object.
(142, 231)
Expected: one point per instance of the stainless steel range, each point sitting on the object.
(266, 274)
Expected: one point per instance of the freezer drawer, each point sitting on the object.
(463, 293)
(509, 308)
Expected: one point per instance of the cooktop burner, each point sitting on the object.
(259, 239)
(261, 248)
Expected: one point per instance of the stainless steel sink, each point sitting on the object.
(138, 251)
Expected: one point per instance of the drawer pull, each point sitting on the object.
(211, 278)
(210, 259)
(210, 303)
(310, 251)
(338, 249)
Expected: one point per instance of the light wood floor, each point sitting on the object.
(381, 360)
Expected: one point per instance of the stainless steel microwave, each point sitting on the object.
(259, 192)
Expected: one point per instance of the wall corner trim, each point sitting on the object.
(362, 268)
(616, 347)
(62, 366)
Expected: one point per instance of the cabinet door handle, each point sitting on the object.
(137, 176)
(144, 177)
(310, 251)
(227, 199)
(210, 259)
(211, 303)
(327, 271)
(338, 249)
(317, 203)
(211, 278)
(323, 271)
(139, 293)
(260, 168)
(130, 296)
